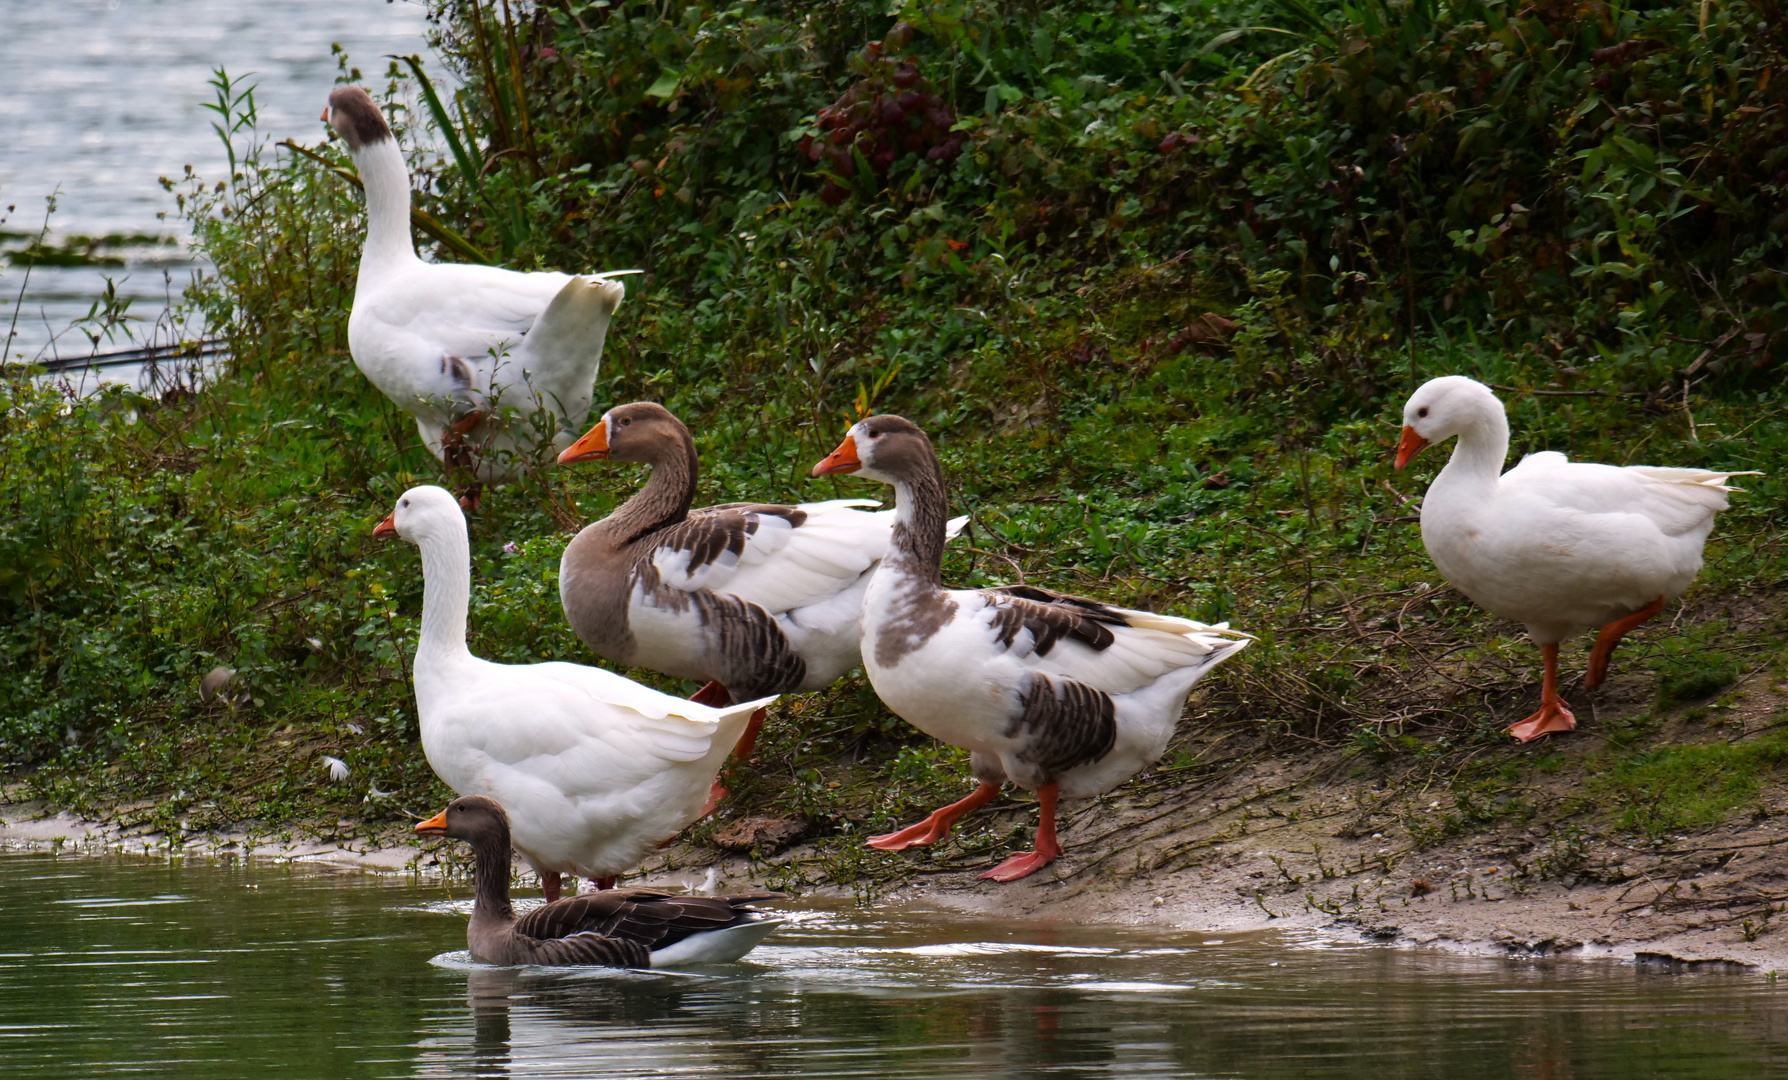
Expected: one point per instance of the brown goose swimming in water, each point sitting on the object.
(634, 928)
(1060, 695)
(753, 599)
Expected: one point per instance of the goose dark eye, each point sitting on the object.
(406, 502)
(625, 420)
(1423, 411)
(874, 434)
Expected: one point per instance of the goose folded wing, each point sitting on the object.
(1111, 649)
(468, 310)
(652, 918)
(570, 712)
(777, 557)
(1674, 501)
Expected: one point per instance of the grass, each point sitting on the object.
(1101, 440)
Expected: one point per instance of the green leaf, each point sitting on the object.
(665, 86)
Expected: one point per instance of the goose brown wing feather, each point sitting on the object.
(1051, 617)
(712, 532)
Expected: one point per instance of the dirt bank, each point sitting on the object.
(1490, 849)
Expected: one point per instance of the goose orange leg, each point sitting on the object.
(1610, 637)
(550, 886)
(717, 696)
(936, 826)
(1553, 716)
(1026, 863)
(605, 882)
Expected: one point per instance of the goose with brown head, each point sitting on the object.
(1064, 696)
(748, 598)
(634, 928)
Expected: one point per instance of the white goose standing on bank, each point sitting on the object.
(595, 770)
(454, 344)
(1063, 696)
(1559, 546)
(750, 598)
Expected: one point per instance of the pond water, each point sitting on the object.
(98, 98)
(196, 969)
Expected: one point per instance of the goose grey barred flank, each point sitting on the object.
(1060, 695)
(749, 598)
(634, 928)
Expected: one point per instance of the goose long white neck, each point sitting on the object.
(1477, 460)
(446, 593)
(387, 180)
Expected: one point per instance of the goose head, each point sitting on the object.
(422, 513)
(475, 818)
(1442, 408)
(891, 449)
(643, 432)
(354, 116)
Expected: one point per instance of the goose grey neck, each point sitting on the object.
(446, 593)
(490, 859)
(920, 509)
(663, 502)
(387, 181)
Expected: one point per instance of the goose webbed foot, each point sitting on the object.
(1026, 863)
(1554, 717)
(1023, 864)
(937, 825)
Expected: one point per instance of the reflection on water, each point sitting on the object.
(109, 965)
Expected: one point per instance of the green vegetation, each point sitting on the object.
(1156, 278)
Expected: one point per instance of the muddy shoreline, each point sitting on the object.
(1453, 898)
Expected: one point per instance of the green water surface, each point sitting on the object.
(121, 966)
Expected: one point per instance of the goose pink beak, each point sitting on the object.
(434, 826)
(842, 460)
(385, 528)
(1411, 445)
(592, 447)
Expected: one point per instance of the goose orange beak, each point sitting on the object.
(386, 528)
(842, 460)
(592, 447)
(325, 116)
(434, 826)
(1411, 445)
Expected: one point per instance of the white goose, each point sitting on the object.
(595, 770)
(1557, 545)
(1063, 696)
(452, 344)
(750, 598)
